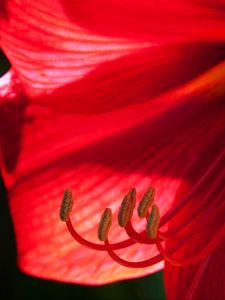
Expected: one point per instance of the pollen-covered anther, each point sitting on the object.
(66, 205)
(105, 224)
(132, 195)
(153, 222)
(126, 208)
(146, 202)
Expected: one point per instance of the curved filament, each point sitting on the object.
(138, 237)
(140, 264)
(94, 246)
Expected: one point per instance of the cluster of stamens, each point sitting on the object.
(147, 209)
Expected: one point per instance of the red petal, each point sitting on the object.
(69, 69)
(201, 221)
(49, 51)
(63, 65)
(190, 283)
(159, 21)
(100, 157)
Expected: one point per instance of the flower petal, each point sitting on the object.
(78, 126)
(159, 21)
(196, 282)
(49, 51)
(101, 157)
(63, 65)
(201, 225)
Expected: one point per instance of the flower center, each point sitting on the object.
(152, 233)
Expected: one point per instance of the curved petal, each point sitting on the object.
(48, 51)
(203, 281)
(150, 20)
(100, 157)
(198, 231)
(161, 21)
(101, 135)
(62, 64)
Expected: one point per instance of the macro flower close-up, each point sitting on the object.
(118, 109)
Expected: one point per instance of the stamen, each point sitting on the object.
(126, 208)
(65, 211)
(146, 202)
(153, 222)
(149, 236)
(66, 206)
(104, 225)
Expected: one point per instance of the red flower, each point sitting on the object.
(102, 97)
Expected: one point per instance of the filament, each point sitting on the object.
(140, 264)
(95, 246)
(138, 237)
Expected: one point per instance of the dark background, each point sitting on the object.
(15, 285)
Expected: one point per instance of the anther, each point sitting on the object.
(66, 206)
(153, 222)
(104, 225)
(126, 208)
(132, 194)
(146, 202)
